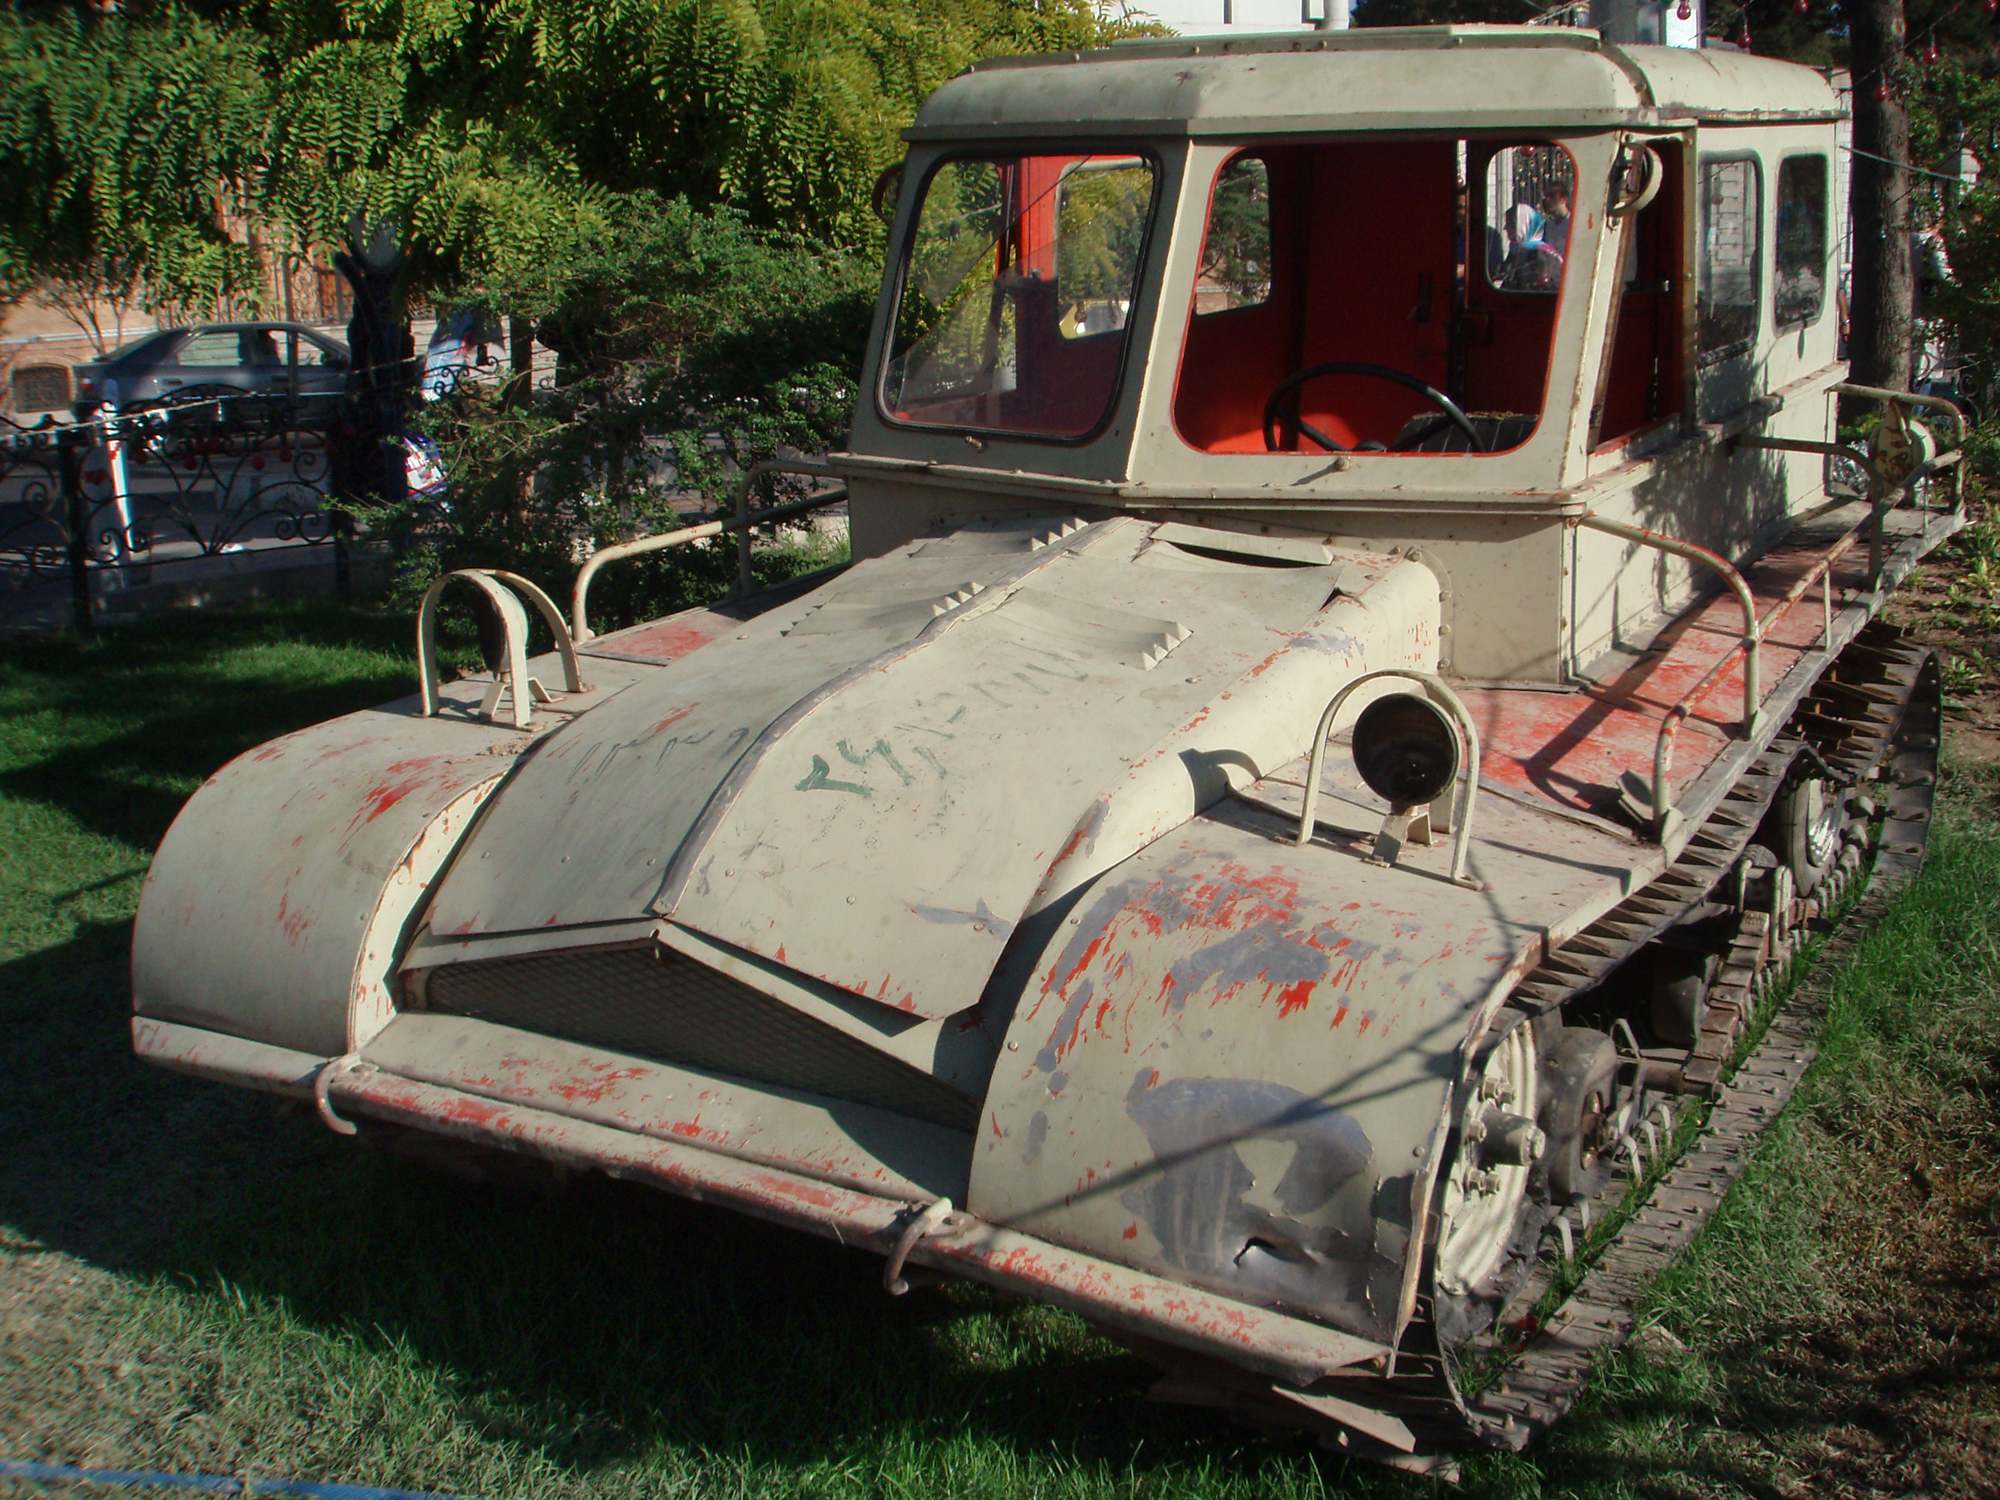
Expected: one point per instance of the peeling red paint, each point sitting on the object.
(672, 719)
(597, 1088)
(669, 639)
(292, 920)
(386, 793)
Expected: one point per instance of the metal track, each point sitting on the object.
(1541, 1378)
(1877, 708)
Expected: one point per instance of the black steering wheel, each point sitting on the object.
(1290, 384)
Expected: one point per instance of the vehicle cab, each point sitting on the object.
(1446, 288)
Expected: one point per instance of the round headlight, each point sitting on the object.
(1406, 749)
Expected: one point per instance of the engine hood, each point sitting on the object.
(874, 784)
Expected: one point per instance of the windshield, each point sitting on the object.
(1017, 293)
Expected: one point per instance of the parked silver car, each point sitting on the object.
(214, 359)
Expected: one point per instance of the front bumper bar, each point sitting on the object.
(1286, 1349)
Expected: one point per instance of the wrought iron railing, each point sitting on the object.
(124, 498)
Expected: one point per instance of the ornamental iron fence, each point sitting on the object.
(175, 491)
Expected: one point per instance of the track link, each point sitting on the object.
(1540, 1378)
(1876, 712)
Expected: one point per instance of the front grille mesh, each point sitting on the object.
(675, 1010)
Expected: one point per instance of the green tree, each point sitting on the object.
(497, 129)
(127, 151)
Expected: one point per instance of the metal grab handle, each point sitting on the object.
(1753, 634)
(743, 521)
(1936, 403)
(500, 588)
(1446, 699)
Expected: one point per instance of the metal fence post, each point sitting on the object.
(78, 514)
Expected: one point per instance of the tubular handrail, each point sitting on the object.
(1885, 496)
(1440, 694)
(806, 466)
(1752, 636)
(1681, 712)
(1812, 445)
(579, 619)
(580, 592)
(1936, 403)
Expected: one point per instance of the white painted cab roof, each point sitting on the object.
(1468, 78)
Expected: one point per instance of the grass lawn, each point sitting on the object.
(193, 1279)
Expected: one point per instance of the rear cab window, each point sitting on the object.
(1799, 292)
(1726, 297)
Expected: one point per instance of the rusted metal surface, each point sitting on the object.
(1752, 633)
(771, 1127)
(1575, 754)
(1234, 1057)
(280, 900)
(955, 906)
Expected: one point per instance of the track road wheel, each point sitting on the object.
(1810, 818)
(1499, 1144)
(1579, 1094)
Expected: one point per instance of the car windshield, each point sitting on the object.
(1017, 292)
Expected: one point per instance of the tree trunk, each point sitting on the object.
(520, 358)
(1881, 301)
(520, 384)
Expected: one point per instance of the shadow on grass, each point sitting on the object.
(590, 1328)
(150, 710)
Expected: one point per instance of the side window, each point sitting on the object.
(1236, 251)
(211, 349)
(1801, 264)
(1726, 297)
(1529, 192)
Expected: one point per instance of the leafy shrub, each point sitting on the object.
(689, 347)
